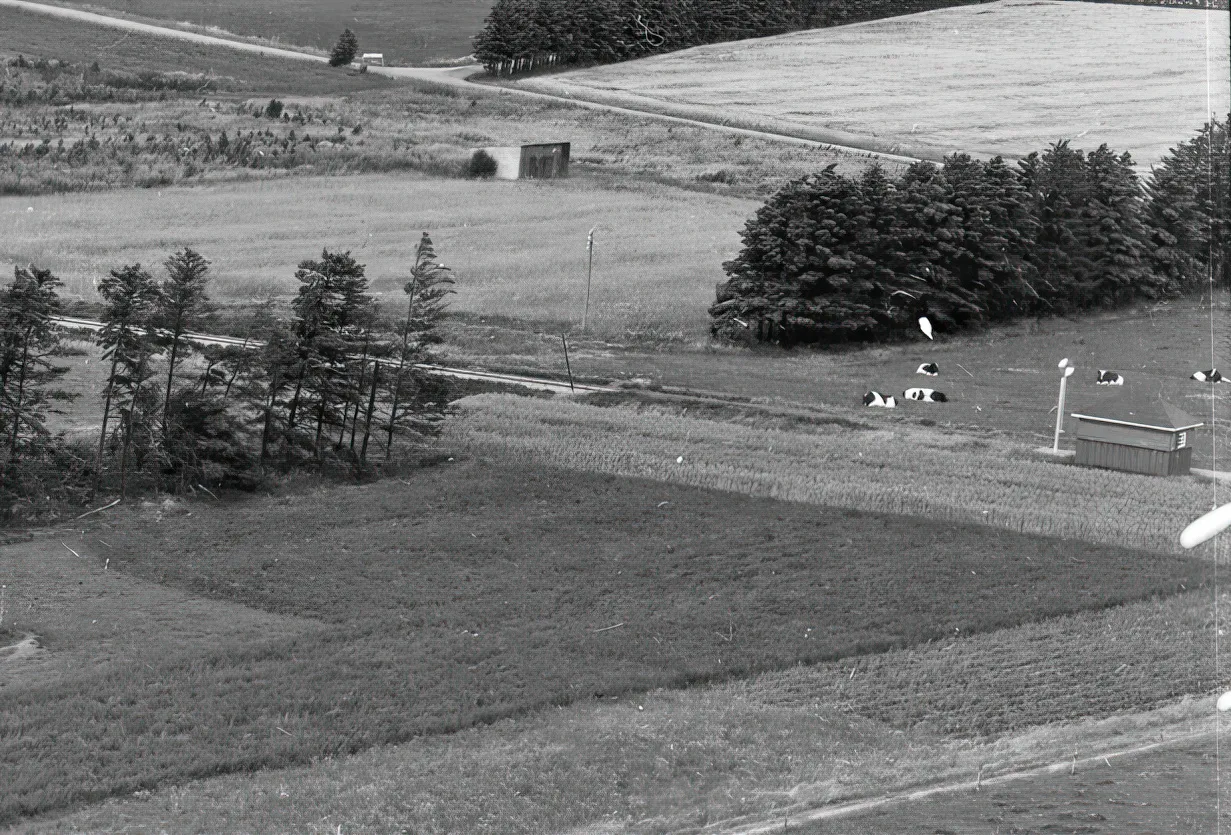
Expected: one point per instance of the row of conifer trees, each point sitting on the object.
(835, 258)
(318, 389)
(604, 31)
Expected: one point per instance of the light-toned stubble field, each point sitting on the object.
(1003, 78)
(518, 249)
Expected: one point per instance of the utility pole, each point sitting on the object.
(589, 271)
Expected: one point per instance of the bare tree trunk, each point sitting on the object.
(367, 422)
(21, 387)
(127, 422)
(102, 435)
(363, 373)
(166, 400)
(269, 414)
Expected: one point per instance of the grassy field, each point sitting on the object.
(32, 34)
(671, 761)
(1002, 381)
(433, 29)
(1006, 78)
(496, 599)
(903, 469)
(517, 248)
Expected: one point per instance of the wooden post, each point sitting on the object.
(567, 367)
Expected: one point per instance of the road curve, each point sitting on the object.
(450, 76)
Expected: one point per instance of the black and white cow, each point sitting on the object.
(1109, 378)
(875, 398)
(929, 368)
(925, 395)
(1211, 376)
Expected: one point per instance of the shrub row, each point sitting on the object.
(835, 258)
(604, 31)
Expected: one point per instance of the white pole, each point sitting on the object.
(1059, 415)
(589, 271)
(1067, 370)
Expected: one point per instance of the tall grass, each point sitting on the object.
(905, 470)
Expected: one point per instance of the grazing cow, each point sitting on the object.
(875, 398)
(1211, 376)
(925, 395)
(1109, 378)
(928, 368)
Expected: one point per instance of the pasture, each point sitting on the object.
(1004, 78)
(32, 34)
(432, 30)
(511, 589)
(518, 248)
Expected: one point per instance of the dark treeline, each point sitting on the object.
(603, 31)
(833, 258)
(320, 390)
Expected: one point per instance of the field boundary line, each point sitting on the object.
(804, 816)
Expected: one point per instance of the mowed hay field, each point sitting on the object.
(406, 33)
(471, 592)
(1006, 78)
(518, 249)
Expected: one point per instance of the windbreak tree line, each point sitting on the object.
(834, 258)
(604, 31)
(318, 390)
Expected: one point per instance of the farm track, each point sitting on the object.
(456, 78)
(781, 820)
(537, 383)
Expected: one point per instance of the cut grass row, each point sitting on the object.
(477, 592)
(903, 470)
(931, 84)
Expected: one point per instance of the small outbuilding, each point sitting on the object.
(1135, 434)
(542, 161)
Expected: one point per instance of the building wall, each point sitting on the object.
(545, 161)
(508, 161)
(1131, 459)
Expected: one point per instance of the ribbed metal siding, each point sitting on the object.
(1133, 459)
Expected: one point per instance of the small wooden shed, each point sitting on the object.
(542, 161)
(1135, 434)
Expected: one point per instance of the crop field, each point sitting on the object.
(1004, 78)
(431, 30)
(410, 624)
(31, 34)
(903, 470)
(672, 759)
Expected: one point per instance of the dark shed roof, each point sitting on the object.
(1130, 408)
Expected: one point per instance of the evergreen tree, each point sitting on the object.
(1189, 208)
(28, 341)
(1118, 260)
(345, 50)
(130, 296)
(181, 302)
(417, 399)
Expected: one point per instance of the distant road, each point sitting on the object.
(450, 76)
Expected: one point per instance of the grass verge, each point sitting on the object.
(904, 469)
(475, 592)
